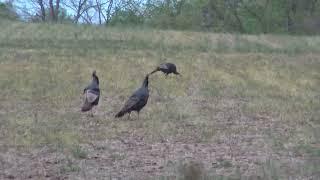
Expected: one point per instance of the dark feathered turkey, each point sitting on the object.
(91, 94)
(137, 100)
(166, 68)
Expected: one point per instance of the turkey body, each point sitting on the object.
(91, 94)
(166, 68)
(137, 100)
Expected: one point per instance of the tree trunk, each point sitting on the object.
(79, 10)
(99, 11)
(54, 10)
(51, 10)
(109, 11)
(239, 22)
(57, 10)
(43, 11)
(290, 11)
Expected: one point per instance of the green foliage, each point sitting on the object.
(270, 170)
(7, 11)
(69, 167)
(79, 153)
(126, 17)
(235, 16)
(248, 16)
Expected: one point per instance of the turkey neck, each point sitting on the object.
(145, 83)
(95, 79)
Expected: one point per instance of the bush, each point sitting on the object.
(7, 11)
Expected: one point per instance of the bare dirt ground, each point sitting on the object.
(240, 149)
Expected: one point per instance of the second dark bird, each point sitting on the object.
(167, 68)
(91, 94)
(137, 100)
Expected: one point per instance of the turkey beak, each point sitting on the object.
(178, 74)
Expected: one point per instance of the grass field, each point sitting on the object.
(246, 107)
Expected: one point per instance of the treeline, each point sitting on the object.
(244, 16)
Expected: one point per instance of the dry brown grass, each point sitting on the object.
(245, 107)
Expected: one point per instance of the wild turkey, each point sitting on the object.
(167, 68)
(137, 100)
(91, 94)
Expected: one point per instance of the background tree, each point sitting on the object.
(244, 16)
(7, 11)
